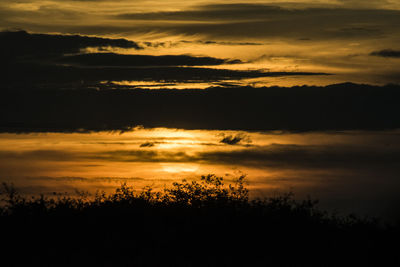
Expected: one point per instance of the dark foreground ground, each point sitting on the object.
(192, 224)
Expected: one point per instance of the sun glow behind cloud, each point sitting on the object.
(327, 165)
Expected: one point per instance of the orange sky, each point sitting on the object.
(332, 36)
(332, 166)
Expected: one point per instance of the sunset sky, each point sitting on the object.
(353, 40)
(88, 96)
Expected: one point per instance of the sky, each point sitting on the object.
(297, 95)
(353, 171)
(354, 41)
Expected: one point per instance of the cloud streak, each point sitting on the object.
(279, 156)
(112, 59)
(387, 53)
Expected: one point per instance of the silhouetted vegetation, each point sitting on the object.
(198, 223)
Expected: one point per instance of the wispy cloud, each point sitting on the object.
(265, 21)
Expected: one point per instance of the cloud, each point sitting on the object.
(279, 156)
(46, 60)
(210, 12)
(234, 140)
(140, 156)
(111, 59)
(305, 157)
(372, 4)
(43, 74)
(336, 107)
(283, 20)
(92, 179)
(147, 144)
(386, 53)
(266, 21)
(23, 45)
(50, 155)
(201, 42)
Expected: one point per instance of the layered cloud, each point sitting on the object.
(318, 36)
(254, 20)
(278, 156)
(325, 19)
(266, 21)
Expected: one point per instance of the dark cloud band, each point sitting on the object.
(23, 45)
(386, 53)
(338, 107)
(111, 59)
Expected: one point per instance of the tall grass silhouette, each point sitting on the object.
(191, 223)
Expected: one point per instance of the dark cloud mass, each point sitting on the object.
(57, 76)
(231, 140)
(147, 144)
(23, 45)
(305, 157)
(336, 107)
(235, 139)
(386, 53)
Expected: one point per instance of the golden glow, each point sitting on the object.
(179, 169)
(92, 161)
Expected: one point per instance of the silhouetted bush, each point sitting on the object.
(198, 223)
